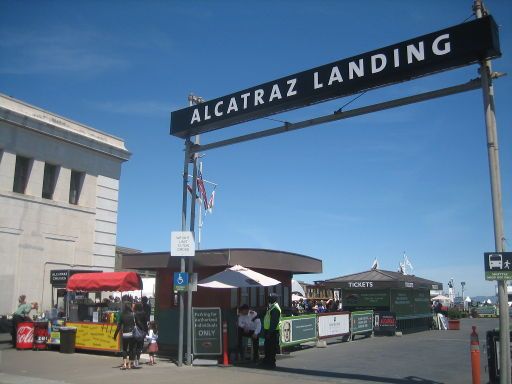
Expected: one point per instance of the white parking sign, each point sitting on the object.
(182, 244)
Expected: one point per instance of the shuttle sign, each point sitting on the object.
(498, 265)
(449, 48)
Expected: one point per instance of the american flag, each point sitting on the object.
(202, 190)
(211, 202)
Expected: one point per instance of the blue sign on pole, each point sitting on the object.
(180, 281)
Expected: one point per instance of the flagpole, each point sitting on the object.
(200, 219)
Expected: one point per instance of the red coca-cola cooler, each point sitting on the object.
(40, 334)
(25, 335)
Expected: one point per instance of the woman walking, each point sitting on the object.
(142, 323)
(125, 326)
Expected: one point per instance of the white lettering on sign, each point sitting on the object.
(441, 51)
(360, 284)
(207, 332)
(357, 68)
(291, 88)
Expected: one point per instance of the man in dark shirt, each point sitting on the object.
(271, 324)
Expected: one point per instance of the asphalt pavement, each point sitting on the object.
(429, 357)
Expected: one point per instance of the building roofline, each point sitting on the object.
(16, 112)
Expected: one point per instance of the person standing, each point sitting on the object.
(146, 306)
(21, 315)
(153, 342)
(142, 323)
(249, 325)
(271, 324)
(125, 326)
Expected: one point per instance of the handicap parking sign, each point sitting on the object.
(180, 281)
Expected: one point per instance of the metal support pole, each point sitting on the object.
(183, 228)
(497, 208)
(200, 217)
(191, 259)
(340, 115)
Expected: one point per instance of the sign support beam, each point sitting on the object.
(287, 127)
(497, 208)
(182, 262)
(191, 259)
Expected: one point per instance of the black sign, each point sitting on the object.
(452, 47)
(498, 265)
(385, 322)
(59, 277)
(207, 331)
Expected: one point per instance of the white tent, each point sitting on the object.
(296, 297)
(238, 277)
(297, 288)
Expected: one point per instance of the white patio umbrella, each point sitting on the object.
(238, 277)
(441, 298)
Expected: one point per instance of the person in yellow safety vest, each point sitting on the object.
(271, 325)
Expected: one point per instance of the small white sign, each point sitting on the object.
(333, 325)
(182, 244)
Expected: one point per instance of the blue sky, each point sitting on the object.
(413, 178)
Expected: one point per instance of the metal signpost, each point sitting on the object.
(487, 76)
(182, 245)
(476, 41)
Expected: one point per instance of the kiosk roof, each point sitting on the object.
(382, 279)
(228, 257)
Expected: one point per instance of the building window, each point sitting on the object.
(21, 172)
(75, 186)
(49, 180)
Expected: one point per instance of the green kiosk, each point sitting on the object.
(406, 298)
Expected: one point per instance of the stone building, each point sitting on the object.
(59, 186)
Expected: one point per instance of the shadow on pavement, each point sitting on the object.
(353, 376)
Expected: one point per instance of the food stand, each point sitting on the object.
(96, 323)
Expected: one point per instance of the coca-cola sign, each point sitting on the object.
(25, 334)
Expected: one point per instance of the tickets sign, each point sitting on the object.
(96, 336)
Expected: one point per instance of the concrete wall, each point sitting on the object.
(37, 234)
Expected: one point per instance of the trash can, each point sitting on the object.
(25, 335)
(40, 335)
(493, 339)
(67, 339)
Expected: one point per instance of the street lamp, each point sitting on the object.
(451, 294)
(462, 284)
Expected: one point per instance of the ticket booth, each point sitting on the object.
(275, 264)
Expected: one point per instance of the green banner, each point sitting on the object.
(298, 329)
(498, 275)
(402, 301)
(372, 298)
(361, 321)
(422, 301)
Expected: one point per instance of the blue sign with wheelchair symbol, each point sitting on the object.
(180, 281)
